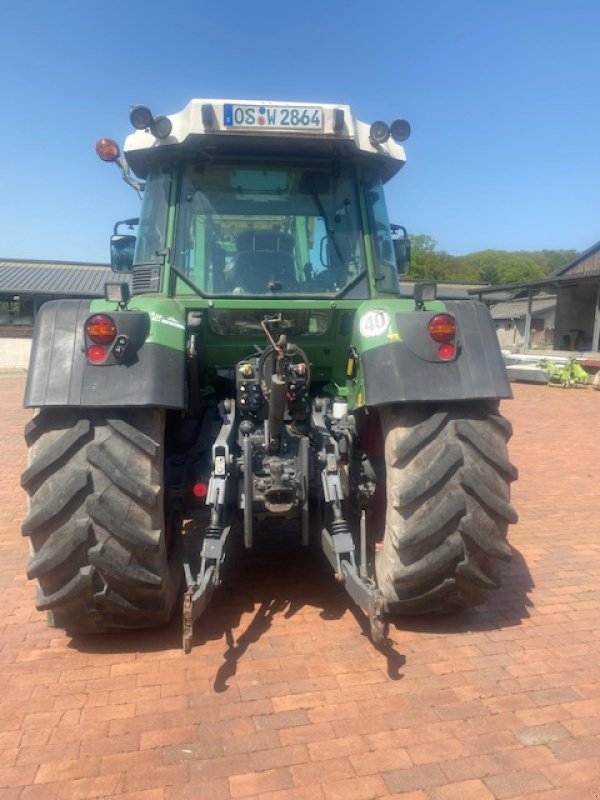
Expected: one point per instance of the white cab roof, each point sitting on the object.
(212, 123)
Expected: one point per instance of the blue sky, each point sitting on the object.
(503, 99)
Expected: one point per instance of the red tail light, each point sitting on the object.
(442, 328)
(101, 329)
(446, 351)
(96, 353)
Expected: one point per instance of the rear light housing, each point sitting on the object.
(114, 337)
(442, 329)
(101, 338)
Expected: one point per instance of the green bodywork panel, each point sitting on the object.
(368, 335)
(327, 331)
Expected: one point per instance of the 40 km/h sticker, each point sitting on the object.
(374, 323)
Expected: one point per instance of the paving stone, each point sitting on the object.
(510, 784)
(502, 701)
(542, 734)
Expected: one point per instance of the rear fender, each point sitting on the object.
(393, 359)
(147, 374)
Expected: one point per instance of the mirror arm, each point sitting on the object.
(126, 175)
(129, 222)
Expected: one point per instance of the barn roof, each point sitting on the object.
(516, 309)
(52, 278)
(588, 263)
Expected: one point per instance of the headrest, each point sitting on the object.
(265, 240)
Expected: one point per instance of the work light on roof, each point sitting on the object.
(141, 117)
(161, 127)
(379, 132)
(400, 130)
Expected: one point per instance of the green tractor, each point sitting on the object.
(257, 364)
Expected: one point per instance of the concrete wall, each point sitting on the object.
(575, 312)
(511, 333)
(14, 353)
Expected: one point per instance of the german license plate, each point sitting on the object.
(280, 118)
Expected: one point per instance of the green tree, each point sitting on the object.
(422, 249)
(485, 266)
(551, 260)
(463, 272)
(442, 266)
(502, 266)
(519, 271)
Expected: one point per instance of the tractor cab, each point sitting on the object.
(268, 200)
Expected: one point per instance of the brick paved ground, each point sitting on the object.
(284, 697)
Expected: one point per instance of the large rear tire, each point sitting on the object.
(96, 519)
(448, 505)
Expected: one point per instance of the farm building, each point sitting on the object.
(26, 285)
(576, 287)
(510, 319)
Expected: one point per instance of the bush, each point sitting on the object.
(570, 374)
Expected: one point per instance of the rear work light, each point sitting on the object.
(442, 328)
(101, 329)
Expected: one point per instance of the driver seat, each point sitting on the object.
(262, 257)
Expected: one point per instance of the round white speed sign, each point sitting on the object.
(374, 323)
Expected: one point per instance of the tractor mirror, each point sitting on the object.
(122, 247)
(402, 252)
(324, 251)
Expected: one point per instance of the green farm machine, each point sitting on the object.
(257, 363)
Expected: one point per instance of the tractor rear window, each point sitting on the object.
(151, 237)
(248, 228)
(386, 269)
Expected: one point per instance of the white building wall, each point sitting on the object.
(14, 353)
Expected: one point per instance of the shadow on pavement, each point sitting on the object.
(279, 578)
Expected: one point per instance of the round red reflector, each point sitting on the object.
(96, 353)
(442, 328)
(101, 329)
(200, 489)
(446, 351)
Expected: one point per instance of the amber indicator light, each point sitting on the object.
(107, 149)
(101, 329)
(442, 328)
